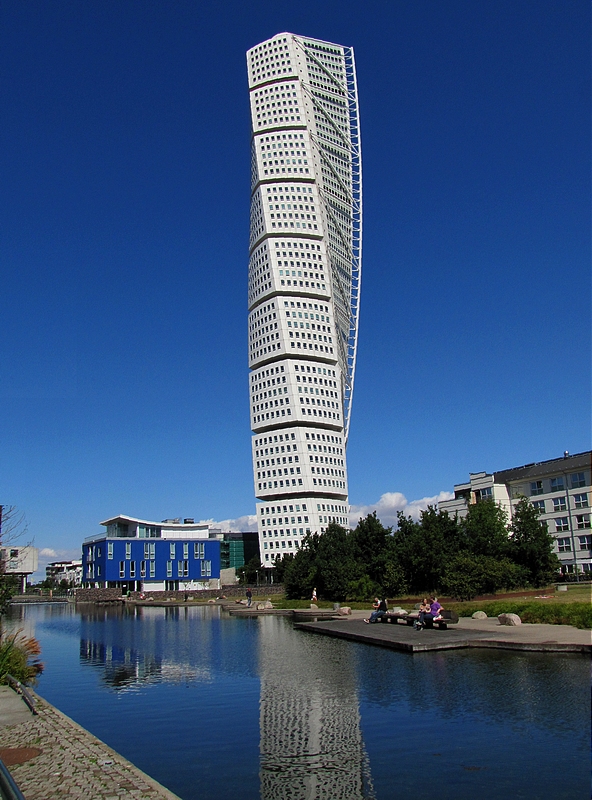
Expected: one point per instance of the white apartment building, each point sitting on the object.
(559, 488)
(304, 283)
(70, 571)
(19, 562)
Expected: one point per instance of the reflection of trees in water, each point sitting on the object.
(60, 617)
(538, 689)
(310, 740)
(16, 618)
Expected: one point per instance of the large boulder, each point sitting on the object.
(268, 604)
(479, 615)
(509, 619)
(344, 611)
(313, 605)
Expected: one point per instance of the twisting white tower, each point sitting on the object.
(304, 283)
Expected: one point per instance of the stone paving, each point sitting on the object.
(72, 763)
(484, 633)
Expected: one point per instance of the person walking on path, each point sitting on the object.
(313, 599)
(249, 597)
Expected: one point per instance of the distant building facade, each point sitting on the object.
(19, 562)
(70, 571)
(238, 548)
(141, 555)
(558, 488)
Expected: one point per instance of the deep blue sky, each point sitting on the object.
(124, 212)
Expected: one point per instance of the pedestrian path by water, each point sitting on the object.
(51, 757)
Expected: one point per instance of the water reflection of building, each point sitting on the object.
(310, 738)
(140, 646)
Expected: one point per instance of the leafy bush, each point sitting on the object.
(18, 657)
(394, 582)
(363, 589)
(466, 576)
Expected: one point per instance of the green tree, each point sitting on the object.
(408, 552)
(300, 573)
(485, 529)
(421, 548)
(394, 582)
(371, 545)
(335, 564)
(531, 545)
(280, 565)
(251, 571)
(9, 586)
(466, 575)
(439, 538)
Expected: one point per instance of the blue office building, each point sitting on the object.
(139, 555)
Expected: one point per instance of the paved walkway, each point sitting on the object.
(63, 759)
(467, 633)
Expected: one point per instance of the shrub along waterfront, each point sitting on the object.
(19, 658)
(461, 558)
(577, 614)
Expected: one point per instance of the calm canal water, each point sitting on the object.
(217, 708)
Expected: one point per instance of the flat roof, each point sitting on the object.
(567, 463)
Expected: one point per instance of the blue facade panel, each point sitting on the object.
(151, 560)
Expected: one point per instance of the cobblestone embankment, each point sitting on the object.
(72, 763)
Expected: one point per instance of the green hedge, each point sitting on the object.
(577, 614)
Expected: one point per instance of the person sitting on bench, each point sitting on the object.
(380, 608)
(434, 613)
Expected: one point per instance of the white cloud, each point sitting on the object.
(386, 510)
(48, 554)
(248, 522)
(392, 502)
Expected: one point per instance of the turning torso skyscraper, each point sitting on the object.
(304, 283)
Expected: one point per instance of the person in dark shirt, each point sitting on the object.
(380, 608)
(249, 594)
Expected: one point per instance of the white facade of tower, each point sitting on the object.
(304, 281)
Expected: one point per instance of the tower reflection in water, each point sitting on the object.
(310, 738)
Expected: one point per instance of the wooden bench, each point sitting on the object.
(448, 618)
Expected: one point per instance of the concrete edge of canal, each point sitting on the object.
(51, 756)
(469, 633)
